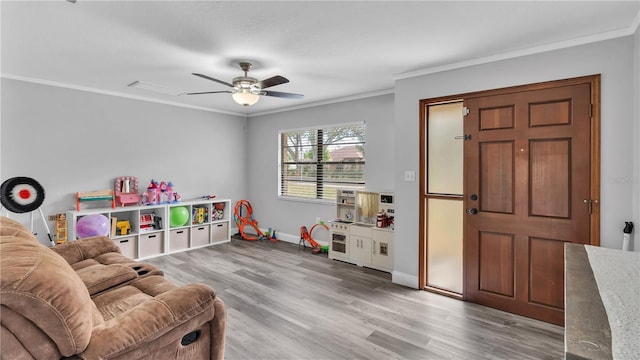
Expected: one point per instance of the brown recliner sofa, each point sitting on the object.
(84, 300)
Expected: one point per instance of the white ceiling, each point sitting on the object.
(327, 49)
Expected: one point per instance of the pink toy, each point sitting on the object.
(160, 193)
(126, 191)
(152, 196)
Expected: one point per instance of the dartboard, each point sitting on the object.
(21, 194)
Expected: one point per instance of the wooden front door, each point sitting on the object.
(530, 186)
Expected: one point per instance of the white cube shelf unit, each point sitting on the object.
(145, 231)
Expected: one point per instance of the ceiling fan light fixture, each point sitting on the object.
(245, 98)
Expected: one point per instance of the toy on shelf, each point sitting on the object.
(218, 211)
(126, 191)
(100, 195)
(150, 222)
(160, 193)
(123, 227)
(92, 225)
(199, 215)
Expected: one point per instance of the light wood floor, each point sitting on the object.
(285, 303)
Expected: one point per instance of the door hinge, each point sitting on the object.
(465, 111)
(590, 203)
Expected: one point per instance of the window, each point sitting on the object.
(314, 162)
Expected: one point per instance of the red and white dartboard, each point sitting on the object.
(21, 194)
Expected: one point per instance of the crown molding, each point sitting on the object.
(325, 102)
(113, 93)
(630, 30)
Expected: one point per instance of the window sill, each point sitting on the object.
(308, 201)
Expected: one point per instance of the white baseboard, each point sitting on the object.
(404, 279)
(294, 239)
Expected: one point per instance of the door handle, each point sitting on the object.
(472, 211)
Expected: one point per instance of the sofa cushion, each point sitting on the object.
(42, 287)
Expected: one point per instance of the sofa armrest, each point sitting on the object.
(87, 248)
(168, 316)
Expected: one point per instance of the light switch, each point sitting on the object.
(409, 175)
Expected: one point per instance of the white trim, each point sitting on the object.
(404, 279)
(114, 93)
(327, 126)
(519, 53)
(325, 102)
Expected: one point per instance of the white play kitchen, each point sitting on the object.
(362, 232)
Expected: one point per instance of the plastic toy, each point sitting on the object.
(305, 235)
(178, 216)
(248, 220)
(123, 227)
(160, 193)
(218, 211)
(199, 215)
(126, 191)
(100, 195)
(92, 225)
(61, 228)
(149, 222)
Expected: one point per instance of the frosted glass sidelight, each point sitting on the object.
(444, 249)
(444, 151)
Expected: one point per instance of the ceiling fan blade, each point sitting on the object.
(272, 81)
(282, 94)
(209, 92)
(212, 79)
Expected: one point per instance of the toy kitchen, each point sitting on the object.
(362, 233)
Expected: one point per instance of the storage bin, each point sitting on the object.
(200, 235)
(219, 232)
(128, 245)
(178, 239)
(151, 244)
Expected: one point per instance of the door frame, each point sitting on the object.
(594, 229)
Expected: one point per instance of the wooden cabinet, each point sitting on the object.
(146, 231)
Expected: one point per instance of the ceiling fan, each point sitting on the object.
(247, 90)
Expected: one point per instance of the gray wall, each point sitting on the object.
(613, 59)
(262, 143)
(73, 140)
(79, 141)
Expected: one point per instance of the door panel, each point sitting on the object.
(496, 263)
(497, 176)
(549, 179)
(529, 162)
(546, 269)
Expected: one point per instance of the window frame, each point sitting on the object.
(319, 162)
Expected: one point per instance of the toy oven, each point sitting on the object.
(339, 242)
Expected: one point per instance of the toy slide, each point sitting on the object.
(305, 235)
(248, 220)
